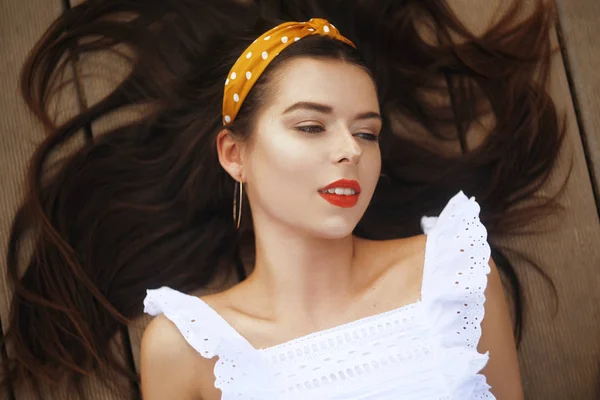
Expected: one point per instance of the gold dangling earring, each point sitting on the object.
(237, 214)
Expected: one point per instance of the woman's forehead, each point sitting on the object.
(333, 82)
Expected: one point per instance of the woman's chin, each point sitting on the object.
(336, 229)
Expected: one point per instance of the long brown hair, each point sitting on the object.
(147, 204)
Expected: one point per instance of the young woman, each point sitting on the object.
(325, 314)
(302, 130)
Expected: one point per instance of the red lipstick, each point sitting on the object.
(341, 200)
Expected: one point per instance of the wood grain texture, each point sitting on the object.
(21, 25)
(560, 352)
(580, 28)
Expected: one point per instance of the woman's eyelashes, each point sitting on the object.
(368, 136)
(310, 129)
(315, 129)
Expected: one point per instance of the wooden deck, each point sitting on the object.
(560, 353)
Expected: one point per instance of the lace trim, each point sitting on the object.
(454, 291)
(332, 361)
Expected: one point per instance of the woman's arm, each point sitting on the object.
(502, 370)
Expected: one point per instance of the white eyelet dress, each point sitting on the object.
(423, 351)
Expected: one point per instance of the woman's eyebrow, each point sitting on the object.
(324, 109)
(307, 105)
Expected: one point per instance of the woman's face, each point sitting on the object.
(320, 126)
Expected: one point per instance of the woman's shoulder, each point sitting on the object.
(170, 367)
(163, 342)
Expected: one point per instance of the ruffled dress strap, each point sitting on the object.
(210, 335)
(454, 283)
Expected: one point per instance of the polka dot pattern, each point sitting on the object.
(261, 52)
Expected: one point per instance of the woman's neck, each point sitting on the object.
(302, 275)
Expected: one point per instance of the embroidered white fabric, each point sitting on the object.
(424, 350)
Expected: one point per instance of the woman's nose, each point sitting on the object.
(347, 149)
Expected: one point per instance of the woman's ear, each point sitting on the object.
(230, 154)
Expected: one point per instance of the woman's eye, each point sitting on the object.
(368, 136)
(311, 128)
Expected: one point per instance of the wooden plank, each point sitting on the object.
(21, 25)
(559, 353)
(579, 32)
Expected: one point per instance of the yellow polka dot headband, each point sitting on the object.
(257, 57)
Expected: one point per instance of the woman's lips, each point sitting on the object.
(342, 200)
